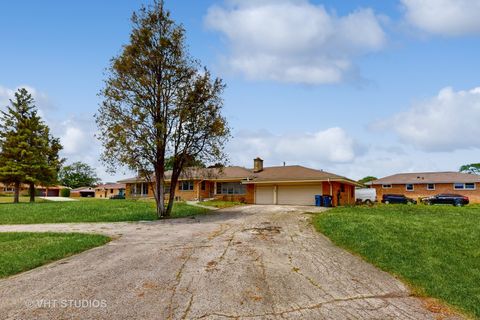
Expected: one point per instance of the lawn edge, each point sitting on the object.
(415, 291)
(108, 239)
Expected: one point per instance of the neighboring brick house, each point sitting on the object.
(51, 191)
(424, 184)
(82, 192)
(291, 185)
(110, 190)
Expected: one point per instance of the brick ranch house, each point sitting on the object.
(51, 191)
(424, 184)
(288, 185)
(109, 190)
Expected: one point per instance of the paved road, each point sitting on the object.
(253, 262)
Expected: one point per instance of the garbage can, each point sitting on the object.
(318, 200)
(327, 201)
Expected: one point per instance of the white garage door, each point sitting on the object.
(263, 195)
(298, 195)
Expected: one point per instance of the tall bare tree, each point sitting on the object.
(159, 104)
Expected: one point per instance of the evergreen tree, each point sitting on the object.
(28, 153)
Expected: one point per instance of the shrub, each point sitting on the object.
(65, 193)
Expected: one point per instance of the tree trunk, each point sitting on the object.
(171, 199)
(16, 197)
(159, 194)
(32, 192)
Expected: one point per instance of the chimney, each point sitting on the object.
(257, 165)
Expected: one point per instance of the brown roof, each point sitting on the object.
(268, 174)
(82, 189)
(428, 177)
(111, 186)
(295, 173)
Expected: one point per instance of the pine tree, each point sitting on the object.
(28, 153)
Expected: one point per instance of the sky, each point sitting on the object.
(353, 87)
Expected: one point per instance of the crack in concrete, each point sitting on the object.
(312, 307)
(178, 279)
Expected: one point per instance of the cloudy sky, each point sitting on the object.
(354, 87)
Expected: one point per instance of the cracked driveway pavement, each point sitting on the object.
(251, 262)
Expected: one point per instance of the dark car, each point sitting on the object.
(452, 199)
(397, 198)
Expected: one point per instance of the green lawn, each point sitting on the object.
(220, 203)
(91, 210)
(22, 251)
(434, 249)
(9, 199)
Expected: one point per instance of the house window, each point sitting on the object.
(231, 188)
(430, 186)
(458, 186)
(140, 189)
(470, 186)
(342, 188)
(186, 186)
(409, 187)
(464, 186)
(204, 185)
(386, 186)
(111, 190)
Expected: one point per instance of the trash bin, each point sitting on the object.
(318, 200)
(327, 201)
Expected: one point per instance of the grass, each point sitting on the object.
(91, 210)
(9, 199)
(220, 204)
(434, 249)
(22, 251)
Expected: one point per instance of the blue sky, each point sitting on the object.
(354, 87)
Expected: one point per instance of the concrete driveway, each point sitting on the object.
(252, 262)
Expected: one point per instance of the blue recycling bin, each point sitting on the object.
(318, 200)
(327, 201)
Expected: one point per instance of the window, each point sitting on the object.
(186, 186)
(111, 190)
(409, 187)
(458, 186)
(230, 188)
(204, 185)
(139, 189)
(470, 186)
(464, 186)
(430, 186)
(342, 188)
(386, 186)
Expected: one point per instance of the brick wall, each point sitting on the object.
(420, 190)
(248, 197)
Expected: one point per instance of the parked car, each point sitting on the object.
(118, 196)
(444, 198)
(397, 198)
(365, 195)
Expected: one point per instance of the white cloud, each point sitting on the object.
(294, 41)
(447, 122)
(42, 101)
(444, 17)
(317, 149)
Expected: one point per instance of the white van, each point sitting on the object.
(365, 195)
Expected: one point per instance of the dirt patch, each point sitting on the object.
(264, 231)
